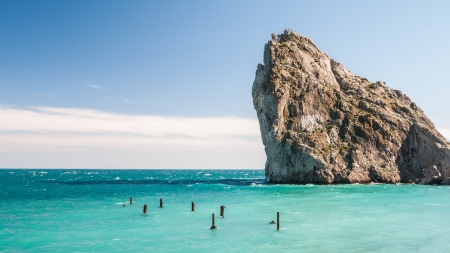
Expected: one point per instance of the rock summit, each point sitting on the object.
(322, 124)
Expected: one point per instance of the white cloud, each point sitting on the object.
(95, 86)
(55, 120)
(125, 100)
(43, 95)
(71, 137)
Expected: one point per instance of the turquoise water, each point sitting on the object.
(82, 211)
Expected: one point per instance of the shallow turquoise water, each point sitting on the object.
(81, 210)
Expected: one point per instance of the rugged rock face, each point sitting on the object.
(322, 124)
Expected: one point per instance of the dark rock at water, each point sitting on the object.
(322, 124)
(436, 181)
(432, 180)
(446, 181)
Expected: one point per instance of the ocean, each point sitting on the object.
(83, 211)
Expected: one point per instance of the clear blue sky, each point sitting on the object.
(198, 58)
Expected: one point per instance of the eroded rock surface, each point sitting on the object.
(322, 124)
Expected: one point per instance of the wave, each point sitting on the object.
(166, 182)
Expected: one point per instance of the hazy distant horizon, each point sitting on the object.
(120, 169)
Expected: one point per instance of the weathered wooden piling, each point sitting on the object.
(193, 206)
(213, 222)
(161, 203)
(131, 200)
(278, 220)
(222, 211)
(145, 209)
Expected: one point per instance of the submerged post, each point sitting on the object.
(161, 203)
(222, 211)
(131, 200)
(193, 206)
(278, 220)
(145, 209)
(213, 222)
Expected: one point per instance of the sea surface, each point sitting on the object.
(82, 211)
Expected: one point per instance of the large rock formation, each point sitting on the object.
(322, 124)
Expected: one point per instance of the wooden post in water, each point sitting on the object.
(145, 209)
(278, 220)
(213, 222)
(161, 203)
(222, 211)
(193, 206)
(131, 200)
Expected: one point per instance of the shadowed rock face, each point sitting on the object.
(322, 124)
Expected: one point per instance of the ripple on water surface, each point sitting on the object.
(82, 210)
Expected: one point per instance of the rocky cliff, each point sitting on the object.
(322, 124)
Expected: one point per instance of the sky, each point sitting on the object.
(167, 84)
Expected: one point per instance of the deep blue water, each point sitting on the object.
(82, 211)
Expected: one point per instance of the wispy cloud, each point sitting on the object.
(125, 100)
(95, 86)
(66, 135)
(43, 95)
(49, 119)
